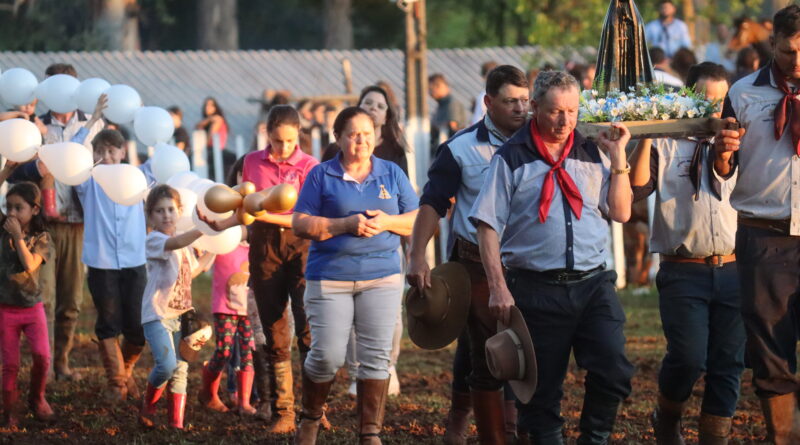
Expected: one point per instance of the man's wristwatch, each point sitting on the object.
(622, 171)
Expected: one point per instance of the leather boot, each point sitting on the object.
(114, 366)
(36, 399)
(63, 335)
(209, 393)
(262, 383)
(488, 408)
(597, 419)
(370, 405)
(780, 414)
(323, 422)
(175, 409)
(667, 421)
(457, 423)
(510, 417)
(244, 380)
(284, 399)
(10, 418)
(314, 396)
(714, 430)
(148, 409)
(555, 437)
(130, 355)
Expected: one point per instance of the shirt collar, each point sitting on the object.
(293, 159)
(492, 129)
(523, 137)
(764, 76)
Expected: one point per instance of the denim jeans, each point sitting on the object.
(164, 337)
(700, 311)
(335, 307)
(585, 318)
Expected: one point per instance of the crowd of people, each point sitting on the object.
(528, 199)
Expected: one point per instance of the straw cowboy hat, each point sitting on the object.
(195, 332)
(510, 356)
(436, 316)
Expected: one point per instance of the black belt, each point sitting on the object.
(773, 225)
(559, 276)
(466, 251)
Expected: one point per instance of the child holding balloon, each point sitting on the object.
(171, 266)
(24, 246)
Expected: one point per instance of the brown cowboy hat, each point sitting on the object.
(510, 356)
(436, 316)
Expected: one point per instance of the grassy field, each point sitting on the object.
(414, 417)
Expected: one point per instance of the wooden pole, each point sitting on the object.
(689, 18)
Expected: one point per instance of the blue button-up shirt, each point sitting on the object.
(670, 38)
(113, 234)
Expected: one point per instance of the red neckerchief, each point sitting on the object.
(568, 187)
(787, 113)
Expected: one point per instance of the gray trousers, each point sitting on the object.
(334, 308)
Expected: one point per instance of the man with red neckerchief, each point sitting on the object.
(767, 199)
(542, 211)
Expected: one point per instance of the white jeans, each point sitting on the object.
(333, 308)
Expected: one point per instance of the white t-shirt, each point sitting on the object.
(168, 292)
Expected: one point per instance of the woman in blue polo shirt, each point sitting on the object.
(354, 208)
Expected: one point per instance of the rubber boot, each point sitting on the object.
(714, 430)
(667, 421)
(113, 363)
(488, 408)
(209, 393)
(176, 408)
(262, 383)
(63, 335)
(314, 396)
(244, 380)
(457, 424)
(130, 355)
(10, 418)
(36, 399)
(780, 414)
(284, 401)
(148, 409)
(370, 405)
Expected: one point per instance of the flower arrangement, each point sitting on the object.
(644, 103)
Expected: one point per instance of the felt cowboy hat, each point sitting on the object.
(510, 356)
(195, 332)
(437, 315)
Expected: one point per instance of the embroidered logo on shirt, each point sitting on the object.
(384, 194)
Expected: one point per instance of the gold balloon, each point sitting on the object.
(245, 188)
(254, 203)
(280, 198)
(221, 198)
(244, 217)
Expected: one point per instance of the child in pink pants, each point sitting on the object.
(24, 246)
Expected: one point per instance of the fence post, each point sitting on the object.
(239, 146)
(199, 159)
(316, 143)
(217, 156)
(133, 153)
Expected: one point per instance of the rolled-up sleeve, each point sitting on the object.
(493, 204)
(444, 178)
(407, 198)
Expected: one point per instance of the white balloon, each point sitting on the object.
(123, 102)
(88, 92)
(59, 94)
(19, 139)
(123, 183)
(38, 92)
(69, 162)
(182, 180)
(221, 243)
(17, 86)
(168, 161)
(188, 201)
(153, 125)
(200, 225)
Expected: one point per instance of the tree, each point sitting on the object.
(338, 26)
(117, 24)
(217, 26)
